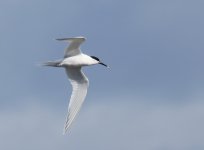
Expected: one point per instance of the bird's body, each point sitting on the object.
(78, 61)
(73, 61)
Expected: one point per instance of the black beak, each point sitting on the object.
(103, 64)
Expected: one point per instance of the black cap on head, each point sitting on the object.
(96, 58)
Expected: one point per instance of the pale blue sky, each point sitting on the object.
(150, 99)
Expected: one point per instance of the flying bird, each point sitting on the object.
(73, 61)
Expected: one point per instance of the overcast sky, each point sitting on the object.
(150, 99)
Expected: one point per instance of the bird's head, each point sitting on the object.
(99, 62)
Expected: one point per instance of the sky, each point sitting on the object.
(150, 99)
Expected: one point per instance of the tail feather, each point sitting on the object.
(52, 63)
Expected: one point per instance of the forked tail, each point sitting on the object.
(52, 63)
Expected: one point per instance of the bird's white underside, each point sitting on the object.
(73, 61)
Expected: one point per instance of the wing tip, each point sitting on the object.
(64, 132)
(66, 127)
(72, 38)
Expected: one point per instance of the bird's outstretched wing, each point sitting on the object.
(74, 46)
(79, 85)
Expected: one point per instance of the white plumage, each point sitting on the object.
(73, 61)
